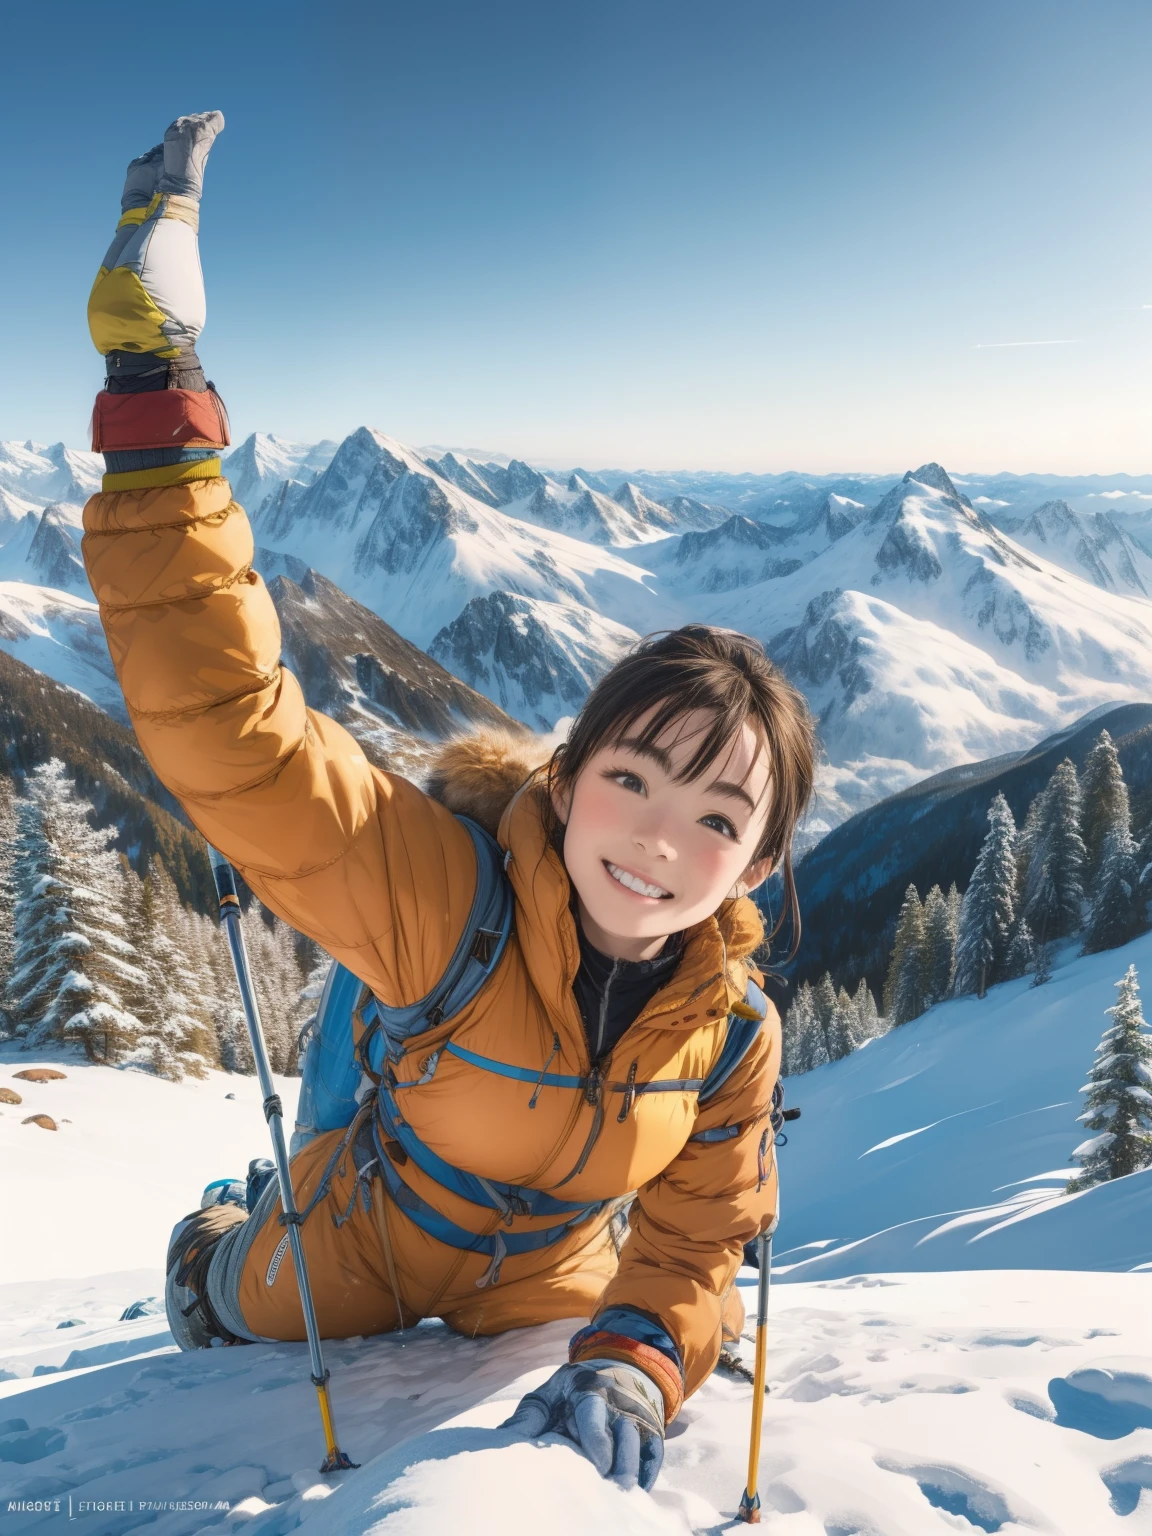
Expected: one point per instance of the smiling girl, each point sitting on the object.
(590, 1136)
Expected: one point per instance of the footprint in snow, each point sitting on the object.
(1126, 1481)
(1107, 1400)
(956, 1491)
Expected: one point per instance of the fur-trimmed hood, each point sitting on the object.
(478, 775)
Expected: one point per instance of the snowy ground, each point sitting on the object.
(903, 1403)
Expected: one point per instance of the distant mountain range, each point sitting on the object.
(930, 621)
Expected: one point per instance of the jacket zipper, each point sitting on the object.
(594, 1084)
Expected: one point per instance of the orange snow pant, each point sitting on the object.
(377, 1262)
(377, 1269)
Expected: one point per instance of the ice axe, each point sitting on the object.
(750, 1503)
(230, 916)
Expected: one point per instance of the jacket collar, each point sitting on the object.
(711, 976)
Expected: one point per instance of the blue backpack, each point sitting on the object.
(339, 1075)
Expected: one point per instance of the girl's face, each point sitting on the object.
(649, 855)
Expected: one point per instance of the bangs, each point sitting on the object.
(714, 740)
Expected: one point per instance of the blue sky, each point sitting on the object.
(649, 233)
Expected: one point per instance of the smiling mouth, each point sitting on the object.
(633, 883)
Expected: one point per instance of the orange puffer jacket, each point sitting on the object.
(382, 876)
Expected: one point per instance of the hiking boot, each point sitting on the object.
(193, 1323)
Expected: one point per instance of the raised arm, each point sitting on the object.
(345, 853)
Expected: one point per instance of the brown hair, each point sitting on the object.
(728, 676)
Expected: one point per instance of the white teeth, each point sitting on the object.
(634, 882)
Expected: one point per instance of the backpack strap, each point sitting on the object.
(477, 954)
(332, 1071)
(743, 1027)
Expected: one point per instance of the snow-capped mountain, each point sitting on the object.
(263, 463)
(1094, 545)
(413, 546)
(923, 634)
(395, 699)
(39, 473)
(59, 633)
(925, 637)
(538, 659)
(44, 548)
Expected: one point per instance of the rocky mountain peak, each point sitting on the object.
(936, 477)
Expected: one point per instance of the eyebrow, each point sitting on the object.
(664, 760)
(733, 792)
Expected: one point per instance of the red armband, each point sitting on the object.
(159, 418)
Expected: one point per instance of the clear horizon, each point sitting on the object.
(648, 234)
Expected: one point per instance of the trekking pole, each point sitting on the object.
(750, 1503)
(230, 916)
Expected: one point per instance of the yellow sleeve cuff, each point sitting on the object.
(167, 474)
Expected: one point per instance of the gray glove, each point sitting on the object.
(613, 1412)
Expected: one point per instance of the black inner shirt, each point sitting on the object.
(612, 994)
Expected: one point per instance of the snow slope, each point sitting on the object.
(994, 1377)
(59, 633)
(944, 1144)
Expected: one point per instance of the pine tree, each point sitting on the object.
(1054, 893)
(867, 1015)
(1021, 956)
(1104, 797)
(843, 1027)
(74, 965)
(278, 979)
(7, 896)
(988, 912)
(177, 1035)
(800, 1032)
(1117, 911)
(904, 986)
(1118, 1095)
(824, 1004)
(939, 946)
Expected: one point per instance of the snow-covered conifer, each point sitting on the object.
(1021, 956)
(1118, 1095)
(177, 1036)
(277, 977)
(74, 964)
(1104, 798)
(804, 1042)
(939, 946)
(987, 914)
(1117, 911)
(1054, 890)
(904, 986)
(868, 1017)
(824, 1003)
(843, 1029)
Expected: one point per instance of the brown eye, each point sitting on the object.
(626, 780)
(720, 824)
